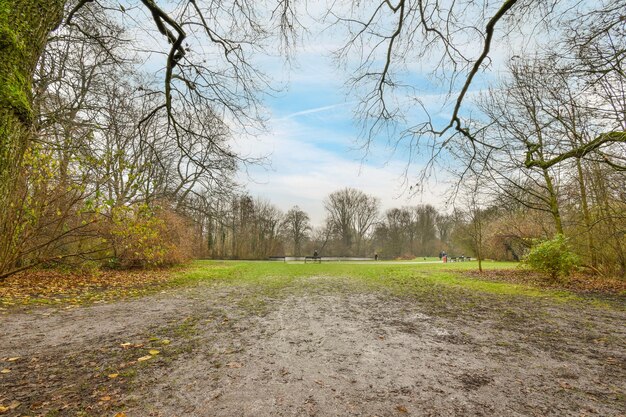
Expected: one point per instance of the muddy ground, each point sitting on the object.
(319, 347)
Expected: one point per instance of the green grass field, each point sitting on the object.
(434, 283)
(399, 278)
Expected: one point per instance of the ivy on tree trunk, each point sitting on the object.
(24, 29)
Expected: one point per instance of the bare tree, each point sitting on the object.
(425, 226)
(340, 206)
(296, 226)
(366, 214)
(351, 214)
(453, 41)
(393, 233)
(472, 233)
(519, 126)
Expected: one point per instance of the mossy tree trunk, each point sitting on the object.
(24, 29)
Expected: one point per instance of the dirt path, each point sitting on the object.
(328, 351)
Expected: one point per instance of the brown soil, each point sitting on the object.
(329, 350)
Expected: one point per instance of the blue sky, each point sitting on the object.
(312, 142)
(313, 145)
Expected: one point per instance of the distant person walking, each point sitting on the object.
(375, 256)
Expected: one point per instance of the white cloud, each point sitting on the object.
(303, 173)
(312, 149)
(317, 110)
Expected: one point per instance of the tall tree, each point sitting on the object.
(365, 216)
(296, 226)
(393, 233)
(351, 214)
(425, 225)
(24, 29)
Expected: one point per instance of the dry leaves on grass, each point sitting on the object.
(88, 377)
(6, 408)
(580, 283)
(54, 287)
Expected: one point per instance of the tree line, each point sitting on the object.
(354, 225)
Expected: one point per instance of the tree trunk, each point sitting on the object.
(554, 203)
(613, 238)
(478, 236)
(24, 29)
(586, 214)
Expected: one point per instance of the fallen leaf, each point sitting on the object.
(402, 409)
(126, 345)
(153, 352)
(113, 376)
(5, 371)
(120, 414)
(165, 342)
(13, 359)
(105, 398)
(144, 358)
(234, 365)
(3, 409)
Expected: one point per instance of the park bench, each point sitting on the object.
(460, 258)
(314, 259)
(278, 258)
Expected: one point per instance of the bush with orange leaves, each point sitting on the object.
(148, 236)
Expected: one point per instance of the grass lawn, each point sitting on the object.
(400, 278)
(406, 278)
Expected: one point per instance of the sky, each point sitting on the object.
(313, 149)
(313, 146)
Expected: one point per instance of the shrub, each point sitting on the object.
(177, 237)
(553, 257)
(144, 236)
